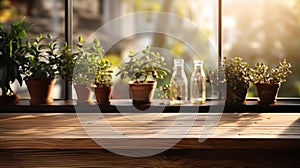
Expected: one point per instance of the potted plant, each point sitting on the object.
(268, 81)
(236, 74)
(40, 68)
(139, 69)
(103, 79)
(67, 62)
(11, 48)
(85, 69)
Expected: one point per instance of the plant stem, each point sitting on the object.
(145, 79)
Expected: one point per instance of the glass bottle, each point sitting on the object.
(179, 84)
(198, 84)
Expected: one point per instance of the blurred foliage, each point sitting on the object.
(149, 5)
(177, 48)
(7, 10)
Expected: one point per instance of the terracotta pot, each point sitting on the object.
(40, 91)
(103, 94)
(267, 93)
(236, 94)
(83, 93)
(12, 99)
(142, 93)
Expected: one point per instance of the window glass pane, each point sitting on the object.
(264, 31)
(47, 16)
(90, 15)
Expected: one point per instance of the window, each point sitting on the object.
(91, 15)
(264, 31)
(257, 30)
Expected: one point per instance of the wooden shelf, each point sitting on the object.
(237, 140)
(158, 106)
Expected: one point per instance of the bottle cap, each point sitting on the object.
(198, 62)
(178, 62)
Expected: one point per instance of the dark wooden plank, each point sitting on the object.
(125, 105)
(170, 158)
(185, 143)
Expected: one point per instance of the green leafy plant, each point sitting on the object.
(11, 49)
(236, 73)
(67, 62)
(261, 73)
(41, 61)
(92, 68)
(165, 91)
(140, 67)
(68, 58)
(104, 73)
(233, 71)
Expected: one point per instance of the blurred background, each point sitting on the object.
(257, 30)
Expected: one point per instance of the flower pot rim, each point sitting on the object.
(268, 83)
(97, 87)
(50, 79)
(149, 82)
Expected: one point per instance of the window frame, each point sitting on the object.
(69, 38)
(67, 104)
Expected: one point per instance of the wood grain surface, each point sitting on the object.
(237, 140)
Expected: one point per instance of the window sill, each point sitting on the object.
(158, 105)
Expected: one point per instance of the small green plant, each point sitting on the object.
(236, 73)
(261, 73)
(92, 68)
(104, 73)
(165, 92)
(41, 61)
(85, 67)
(67, 62)
(233, 71)
(68, 58)
(11, 49)
(140, 67)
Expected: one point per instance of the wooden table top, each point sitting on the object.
(66, 131)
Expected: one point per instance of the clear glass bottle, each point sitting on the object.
(179, 84)
(198, 84)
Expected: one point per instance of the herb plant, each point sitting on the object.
(68, 58)
(67, 62)
(140, 67)
(92, 68)
(236, 73)
(261, 73)
(233, 71)
(41, 61)
(104, 73)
